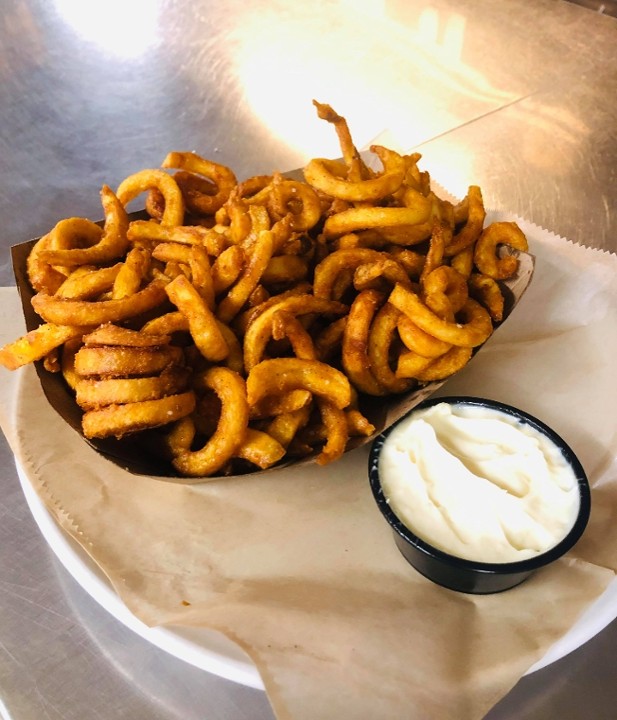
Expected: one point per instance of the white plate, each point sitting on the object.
(203, 648)
(214, 652)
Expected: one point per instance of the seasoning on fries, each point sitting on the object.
(248, 321)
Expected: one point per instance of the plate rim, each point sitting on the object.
(231, 665)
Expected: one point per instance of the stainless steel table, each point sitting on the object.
(518, 97)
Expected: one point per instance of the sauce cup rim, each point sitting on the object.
(518, 566)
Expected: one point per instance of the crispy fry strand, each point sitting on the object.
(82, 312)
(258, 260)
(260, 449)
(356, 339)
(120, 420)
(473, 332)
(106, 245)
(36, 344)
(328, 176)
(280, 375)
(116, 361)
(362, 218)
(259, 331)
(230, 431)
(476, 215)
(87, 283)
(485, 253)
(220, 175)
(144, 180)
(100, 392)
(203, 325)
(382, 338)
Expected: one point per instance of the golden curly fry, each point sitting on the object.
(409, 364)
(336, 432)
(330, 268)
(69, 235)
(251, 189)
(259, 332)
(201, 275)
(145, 180)
(442, 367)
(329, 177)
(328, 342)
(230, 430)
(87, 282)
(434, 256)
(296, 200)
(285, 269)
(279, 375)
(221, 176)
(63, 311)
(475, 328)
(227, 267)
(100, 392)
(36, 344)
(132, 273)
(381, 340)
(285, 426)
(475, 216)
(286, 325)
(203, 325)
(382, 274)
(42, 276)
(281, 404)
(355, 358)
(260, 449)
(106, 245)
(363, 218)
(356, 169)
(118, 361)
(333, 418)
(444, 290)
(67, 362)
(419, 341)
(462, 262)
(259, 256)
(487, 292)
(485, 253)
(110, 334)
(167, 324)
(153, 233)
(120, 420)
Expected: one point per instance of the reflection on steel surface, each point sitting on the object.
(120, 28)
(397, 70)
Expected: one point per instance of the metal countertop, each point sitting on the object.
(517, 97)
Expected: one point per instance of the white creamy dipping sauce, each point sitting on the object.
(478, 484)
